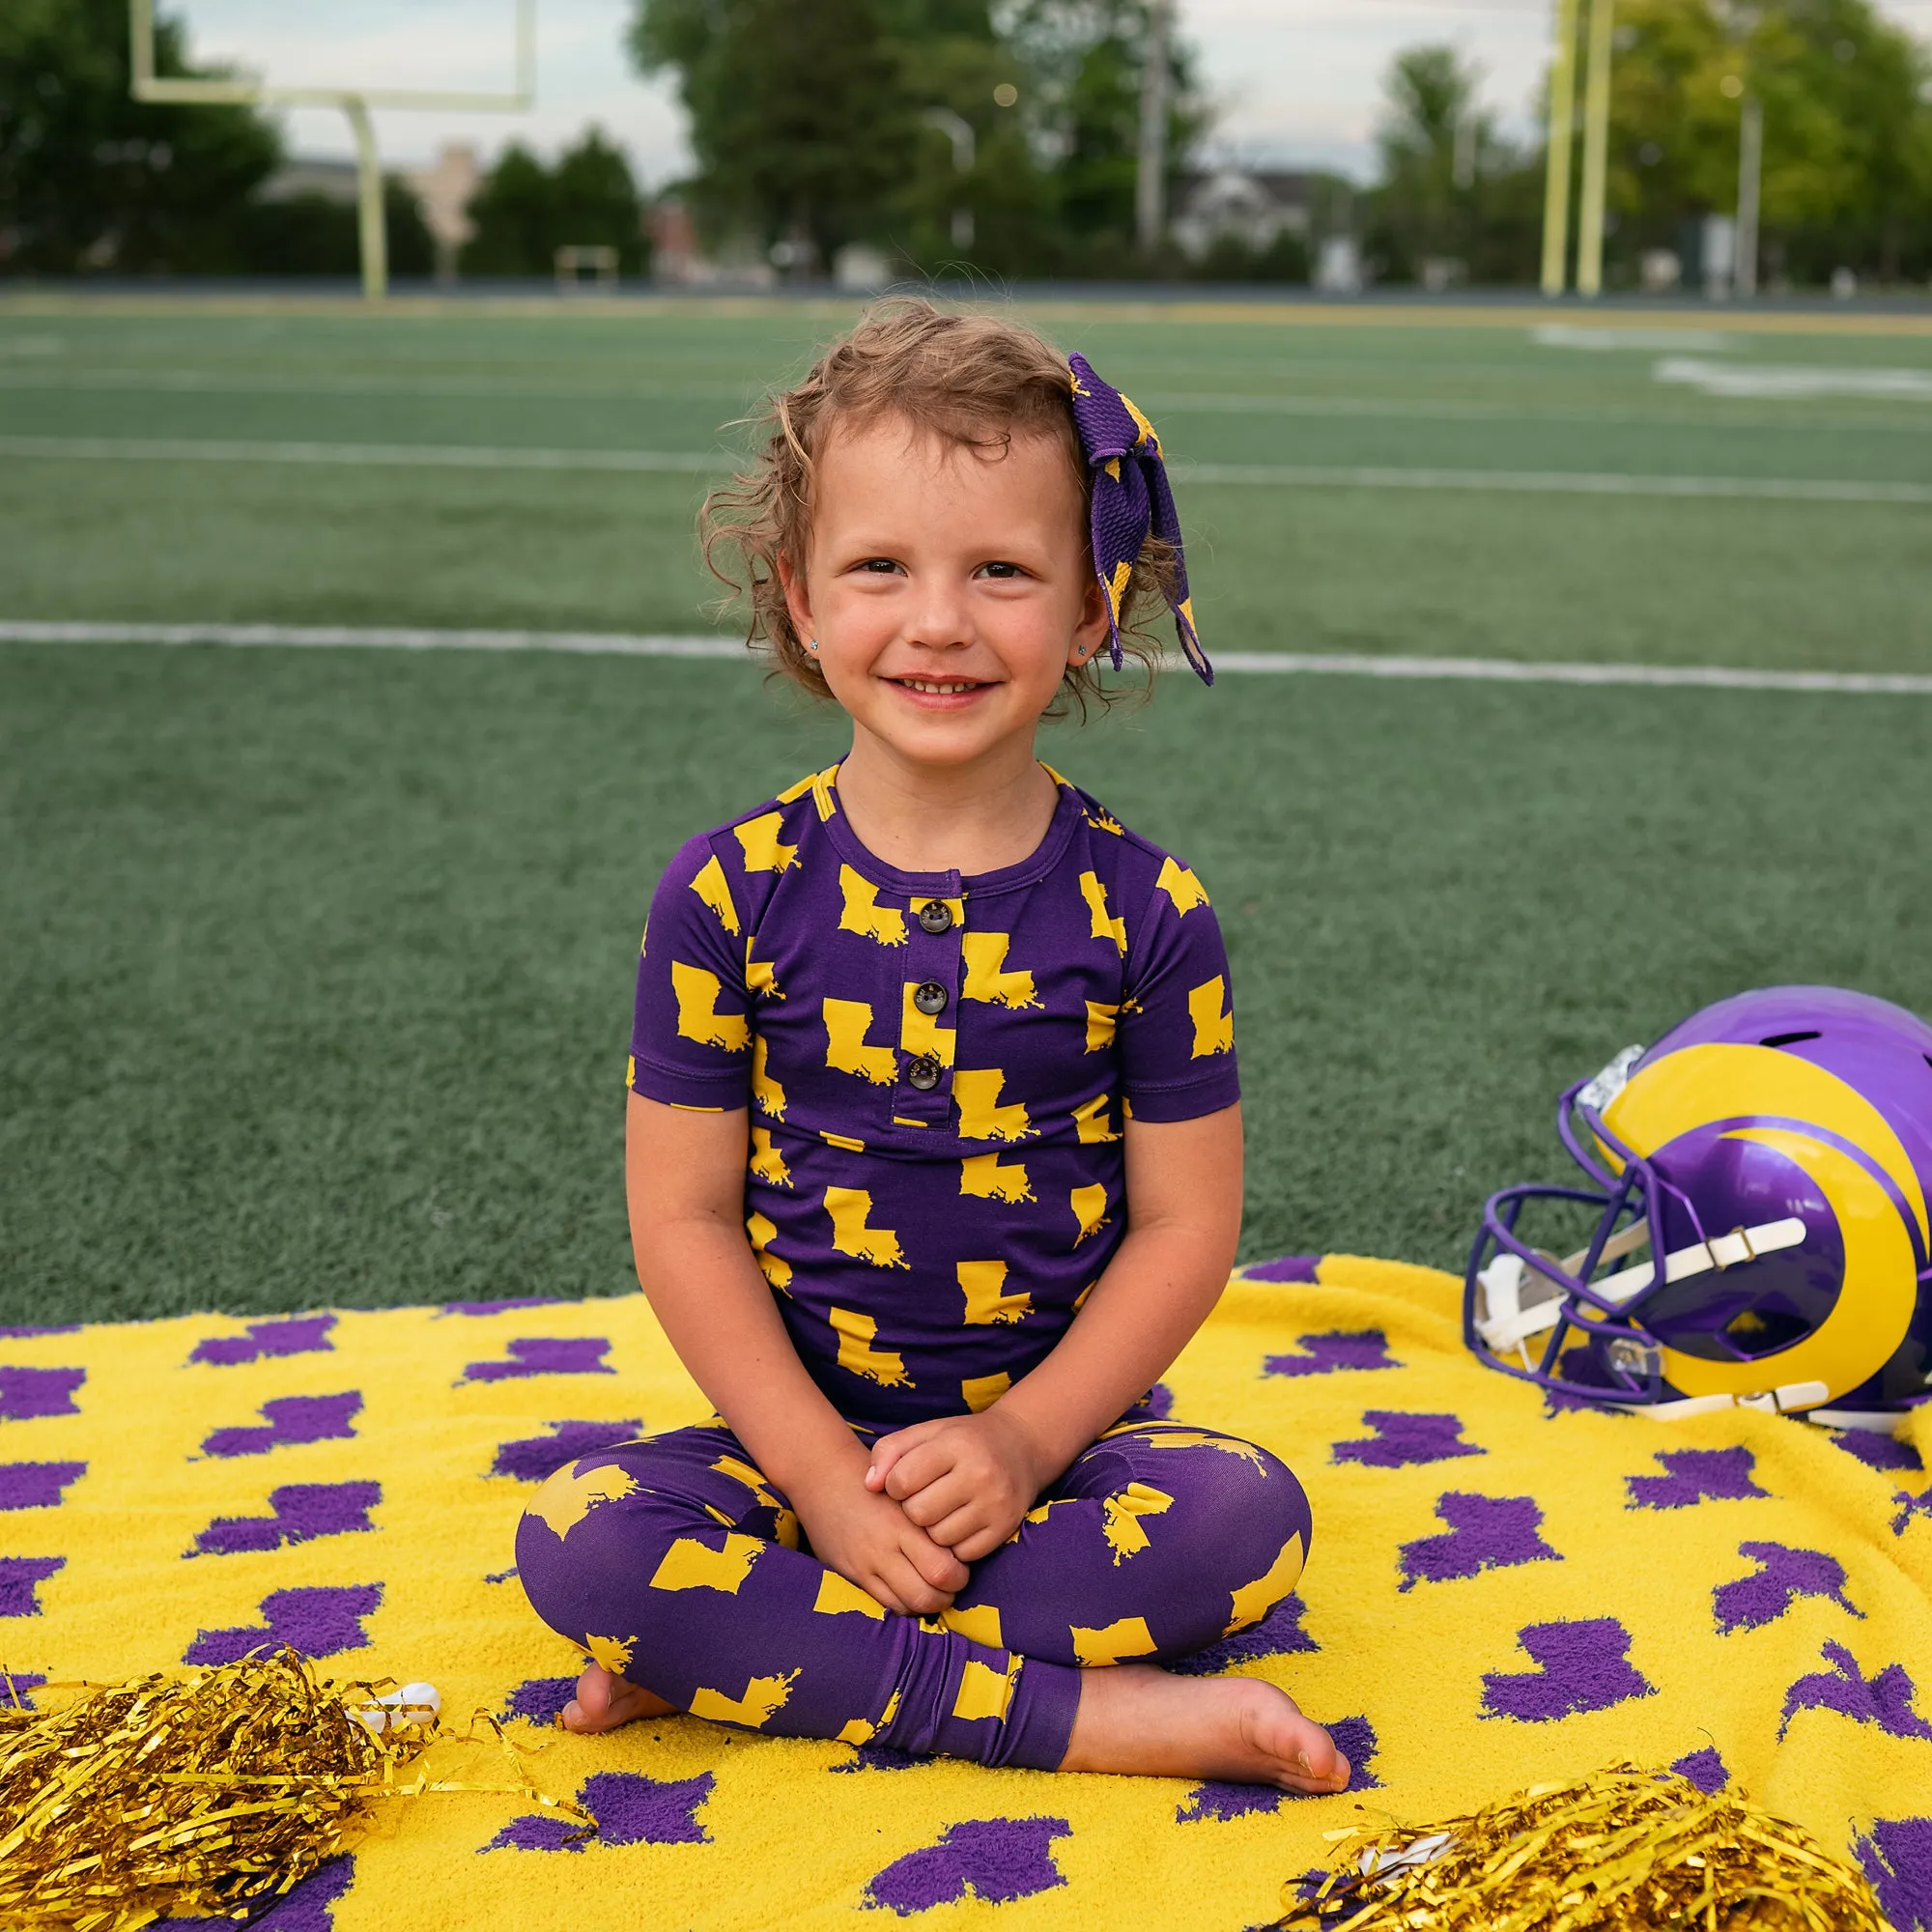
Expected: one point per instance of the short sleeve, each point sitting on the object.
(691, 1038)
(1176, 1026)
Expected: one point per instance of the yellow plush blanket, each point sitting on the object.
(1498, 1594)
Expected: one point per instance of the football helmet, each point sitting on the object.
(1758, 1182)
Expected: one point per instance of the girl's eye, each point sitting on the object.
(882, 566)
(1004, 570)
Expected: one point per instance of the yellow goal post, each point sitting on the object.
(355, 101)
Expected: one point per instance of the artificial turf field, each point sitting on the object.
(316, 964)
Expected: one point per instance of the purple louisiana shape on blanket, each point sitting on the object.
(1339, 1349)
(538, 1456)
(1402, 1437)
(495, 1307)
(534, 1833)
(1581, 1667)
(305, 1908)
(1354, 1738)
(302, 1512)
(1782, 1575)
(1705, 1768)
(1878, 1452)
(26, 1486)
(18, 1688)
(1287, 1268)
(630, 1809)
(321, 1621)
(994, 1859)
(25, 1393)
(545, 1355)
(1279, 1634)
(289, 1419)
(1696, 1475)
(20, 1580)
(1909, 1506)
(1484, 1533)
(298, 1335)
(1885, 1701)
(1897, 1858)
(540, 1699)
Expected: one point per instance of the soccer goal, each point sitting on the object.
(255, 91)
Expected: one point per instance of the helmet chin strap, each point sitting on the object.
(1791, 1398)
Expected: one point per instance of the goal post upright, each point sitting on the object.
(354, 102)
(1556, 159)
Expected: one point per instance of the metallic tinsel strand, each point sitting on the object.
(1623, 1850)
(193, 1794)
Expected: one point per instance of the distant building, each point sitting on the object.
(1252, 205)
(444, 191)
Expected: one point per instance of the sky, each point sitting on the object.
(1293, 81)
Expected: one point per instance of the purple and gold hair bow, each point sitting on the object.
(1131, 500)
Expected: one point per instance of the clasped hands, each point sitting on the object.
(935, 1497)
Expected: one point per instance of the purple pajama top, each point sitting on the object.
(938, 1069)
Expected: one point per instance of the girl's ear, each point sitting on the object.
(797, 602)
(1090, 633)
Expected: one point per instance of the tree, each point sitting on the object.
(1089, 56)
(1847, 133)
(800, 120)
(91, 178)
(523, 212)
(1485, 219)
(321, 235)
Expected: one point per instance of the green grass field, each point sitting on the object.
(317, 963)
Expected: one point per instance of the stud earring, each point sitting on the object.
(811, 644)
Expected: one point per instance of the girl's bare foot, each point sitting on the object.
(604, 1700)
(1135, 1718)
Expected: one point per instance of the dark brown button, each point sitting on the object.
(935, 916)
(925, 1073)
(929, 997)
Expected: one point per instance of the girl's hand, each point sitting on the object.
(868, 1540)
(965, 1480)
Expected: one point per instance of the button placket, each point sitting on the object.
(929, 1000)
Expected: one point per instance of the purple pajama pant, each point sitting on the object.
(675, 1563)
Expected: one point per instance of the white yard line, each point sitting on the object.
(618, 643)
(1552, 482)
(358, 455)
(1251, 476)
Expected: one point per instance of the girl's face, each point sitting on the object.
(949, 588)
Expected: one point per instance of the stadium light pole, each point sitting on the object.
(1151, 183)
(1750, 175)
(355, 101)
(1556, 175)
(1596, 150)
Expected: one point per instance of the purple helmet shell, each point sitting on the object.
(1759, 1194)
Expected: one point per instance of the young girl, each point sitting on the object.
(934, 1155)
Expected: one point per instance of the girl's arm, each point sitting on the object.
(969, 1479)
(684, 1175)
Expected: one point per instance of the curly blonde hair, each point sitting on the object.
(977, 381)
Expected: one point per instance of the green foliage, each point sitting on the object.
(92, 179)
(524, 211)
(1847, 129)
(800, 119)
(1486, 221)
(320, 235)
(809, 122)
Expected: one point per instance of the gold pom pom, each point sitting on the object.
(1624, 1849)
(192, 1795)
